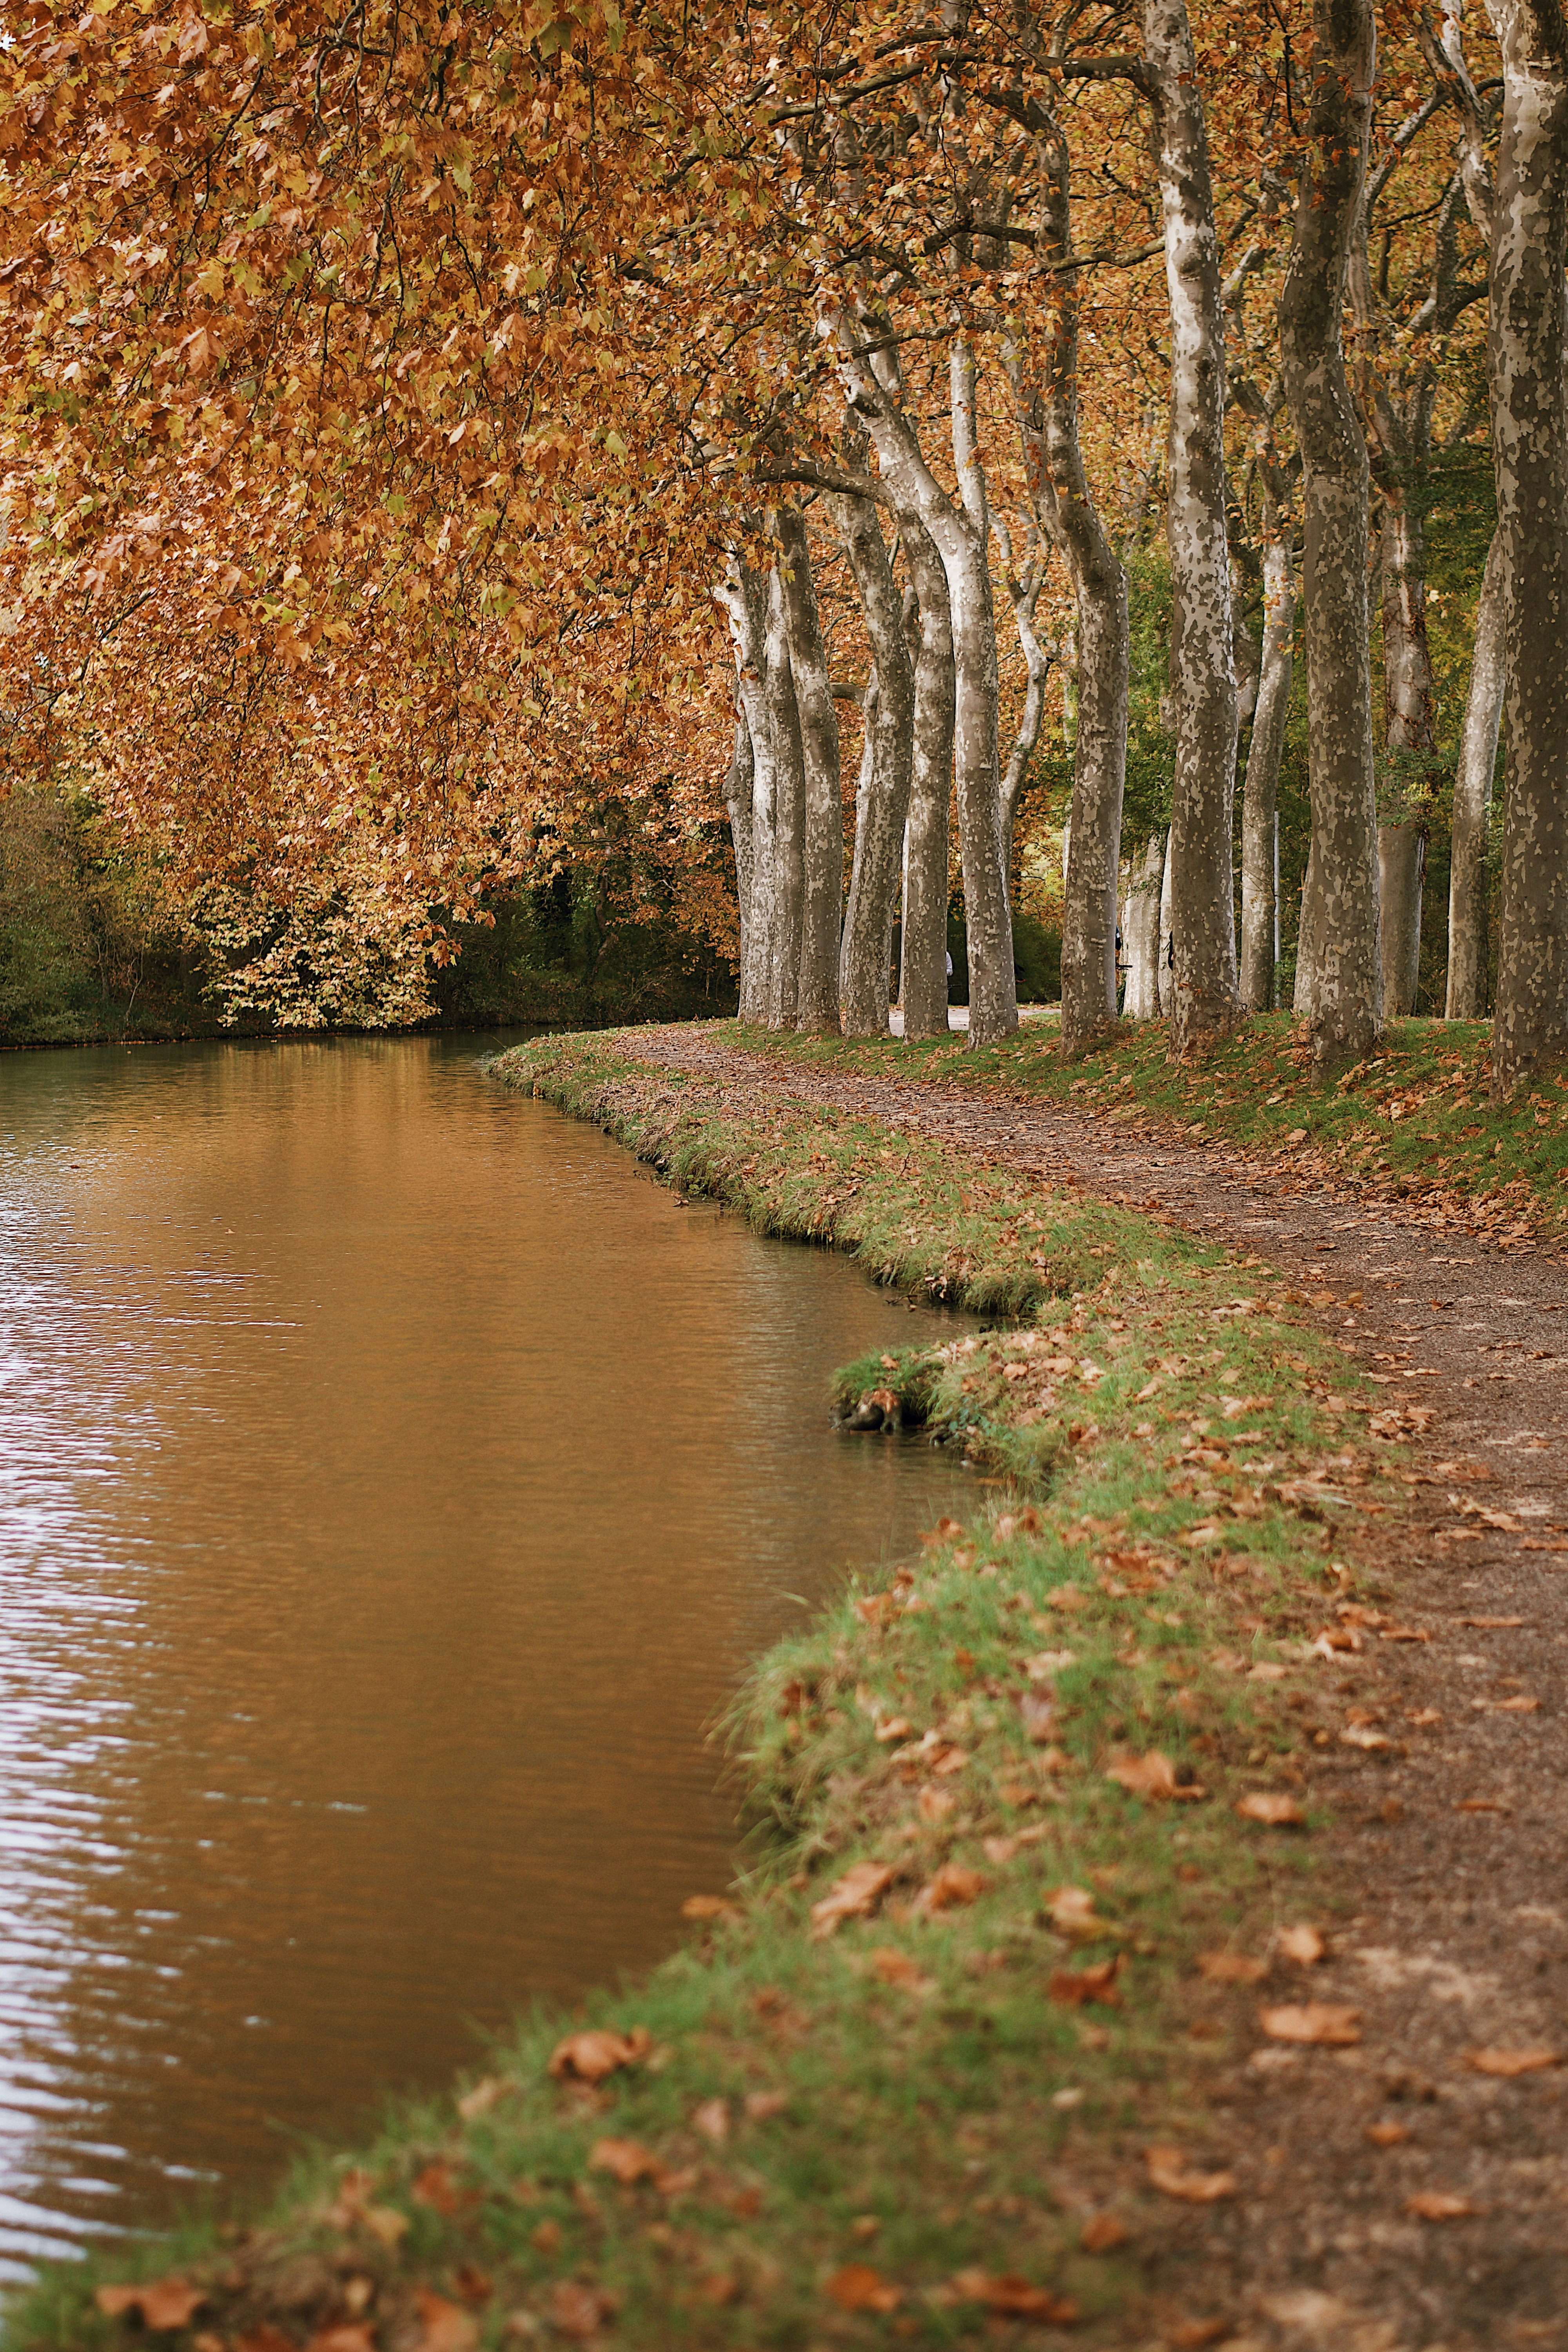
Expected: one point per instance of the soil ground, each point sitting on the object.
(1451, 1845)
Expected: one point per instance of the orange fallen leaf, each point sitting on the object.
(896, 1967)
(580, 2311)
(1015, 2297)
(952, 1887)
(676, 2181)
(709, 1906)
(1319, 2022)
(436, 2186)
(590, 2055)
(859, 1891)
(1276, 1811)
(163, 2304)
(1509, 2062)
(266, 2338)
(1439, 2205)
(448, 2327)
(1038, 1717)
(1388, 2134)
(483, 2096)
(626, 2159)
(1075, 1986)
(720, 2286)
(1521, 1705)
(1072, 1913)
(1101, 2231)
(1303, 1945)
(1482, 1805)
(357, 2335)
(1152, 1776)
(1232, 1968)
(712, 2120)
(1170, 2173)
(857, 2287)
(948, 1760)
(762, 2106)
(1193, 2335)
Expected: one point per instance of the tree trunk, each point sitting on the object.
(1344, 998)
(1259, 796)
(1205, 998)
(1046, 402)
(739, 787)
(816, 1006)
(1141, 935)
(923, 981)
(789, 815)
(1166, 961)
(1022, 598)
(1530, 450)
(1472, 803)
(1401, 866)
(879, 822)
(743, 598)
(1409, 704)
(960, 533)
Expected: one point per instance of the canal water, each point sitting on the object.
(394, 1482)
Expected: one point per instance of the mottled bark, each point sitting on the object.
(960, 531)
(1141, 935)
(1205, 998)
(880, 813)
(1530, 450)
(1409, 703)
(739, 786)
(1022, 595)
(821, 840)
(923, 978)
(1044, 395)
(1472, 803)
(1401, 868)
(1259, 796)
(743, 597)
(1167, 957)
(1341, 972)
(789, 813)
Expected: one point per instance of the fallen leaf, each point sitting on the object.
(163, 2304)
(1325, 2022)
(1439, 2205)
(857, 2287)
(1519, 1705)
(1232, 1968)
(1424, 1716)
(896, 1967)
(935, 1804)
(266, 2338)
(580, 2311)
(949, 1760)
(1170, 2173)
(720, 2286)
(1360, 1735)
(1101, 2231)
(1072, 1913)
(1276, 1811)
(1146, 1776)
(1302, 1945)
(1015, 2297)
(710, 1906)
(475, 2286)
(357, 2336)
(712, 2120)
(1493, 1624)
(1482, 1805)
(762, 2106)
(678, 2180)
(546, 2239)
(1075, 1986)
(952, 1887)
(859, 1891)
(447, 2326)
(1513, 2061)
(894, 1727)
(1388, 2134)
(626, 2159)
(1038, 1717)
(1192, 2335)
(483, 2097)
(590, 2055)
(437, 2187)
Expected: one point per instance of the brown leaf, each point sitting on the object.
(893, 1726)
(1015, 2297)
(857, 2287)
(578, 2310)
(1388, 2134)
(762, 2106)
(859, 1891)
(1075, 1986)
(626, 2159)
(679, 2180)
(1101, 2231)
(1072, 1913)
(896, 1967)
(1170, 2173)
(483, 2097)
(1509, 2062)
(436, 2186)
(720, 2286)
(1317, 2021)
(266, 2338)
(1038, 1717)
(1303, 1945)
(1232, 1968)
(163, 2304)
(1276, 1811)
(952, 1887)
(546, 2239)
(709, 1906)
(712, 2120)
(1144, 1776)
(1192, 2335)
(590, 2056)
(357, 2336)
(1439, 2205)
(448, 2327)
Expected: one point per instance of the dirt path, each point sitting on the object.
(1455, 1842)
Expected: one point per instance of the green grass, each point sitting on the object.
(913, 2108)
(1414, 1119)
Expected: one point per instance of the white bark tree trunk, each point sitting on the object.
(1472, 803)
(743, 597)
(1409, 700)
(923, 977)
(1529, 449)
(1141, 935)
(1206, 999)
(789, 813)
(879, 817)
(1339, 980)
(739, 786)
(1260, 795)
(821, 840)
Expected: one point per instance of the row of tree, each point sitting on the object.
(396, 401)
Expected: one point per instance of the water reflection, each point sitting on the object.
(394, 1480)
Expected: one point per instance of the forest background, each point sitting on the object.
(391, 394)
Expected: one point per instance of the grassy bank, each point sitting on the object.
(1413, 1123)
(1030, 1822)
